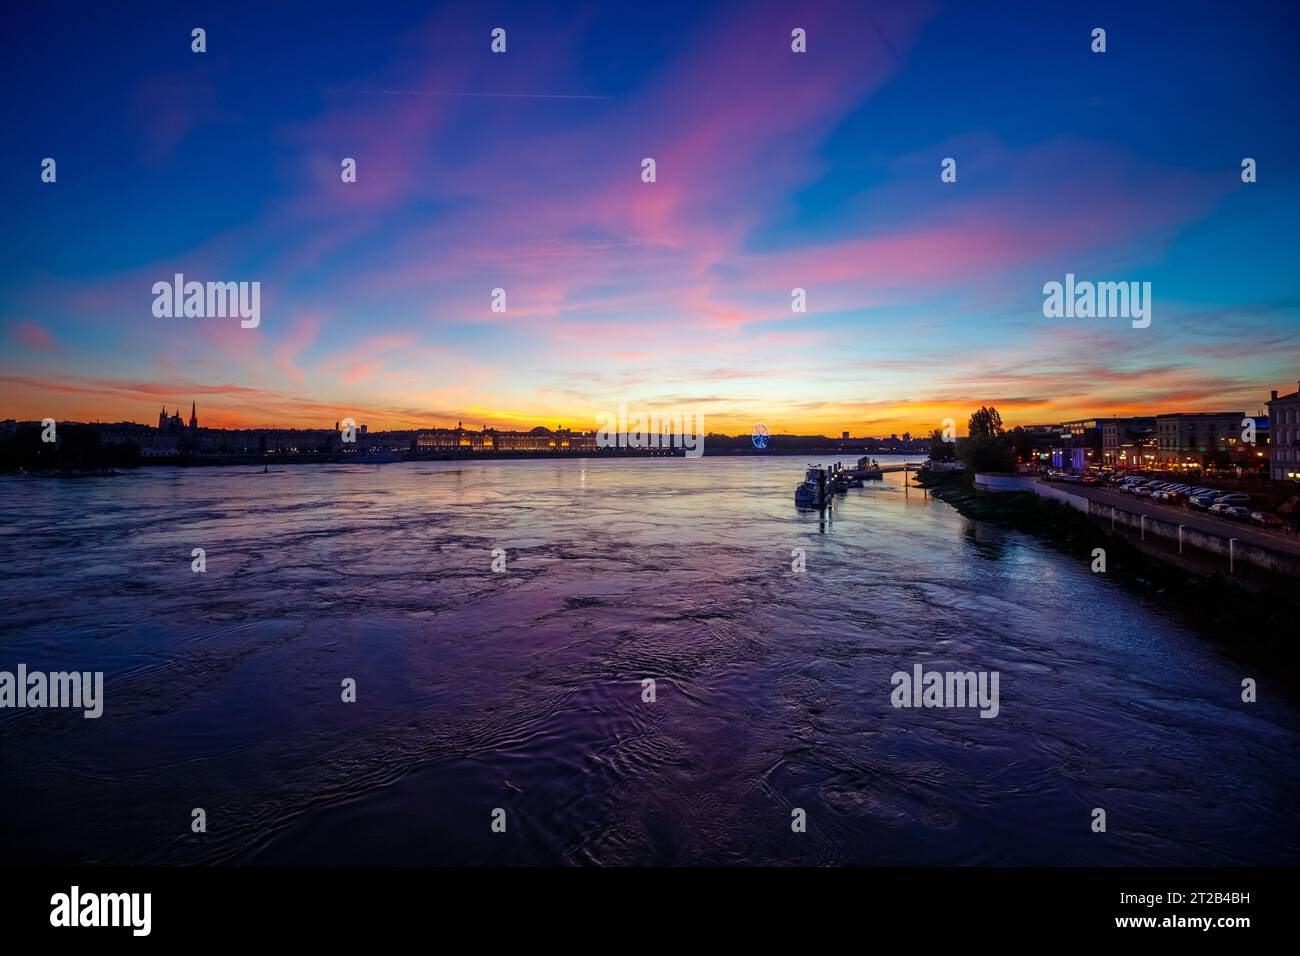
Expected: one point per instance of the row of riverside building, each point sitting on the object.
(175, 438)
(1182, 441)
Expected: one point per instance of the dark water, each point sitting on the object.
(522, 690)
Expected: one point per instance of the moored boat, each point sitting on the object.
(814, 490)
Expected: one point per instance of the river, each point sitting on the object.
(521, 690)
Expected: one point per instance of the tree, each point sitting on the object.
(988, 453)
(989, 448)
(986, 421)
(941, 450)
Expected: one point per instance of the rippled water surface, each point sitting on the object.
(523, 690)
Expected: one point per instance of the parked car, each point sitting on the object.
(1265, 520)
(1201, 502)
(1089, 480)
(1235, 498)
(1237, 513)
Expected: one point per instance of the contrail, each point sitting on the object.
(519, 96)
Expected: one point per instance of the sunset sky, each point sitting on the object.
(522, 170)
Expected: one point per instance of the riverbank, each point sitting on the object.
(1258, 613)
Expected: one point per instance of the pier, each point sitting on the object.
(904, 466)
(821, 484)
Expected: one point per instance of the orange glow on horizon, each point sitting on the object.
(918, 419)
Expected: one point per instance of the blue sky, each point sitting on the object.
(521, 171)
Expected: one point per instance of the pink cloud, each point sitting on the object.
(33, 336)
(301, 335)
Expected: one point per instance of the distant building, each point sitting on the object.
(1085, 431)
(539, 439)
(1194, 439)
(1128, 442)
(1284, 427)
(397, 441)
(127, 433)
(543, 439)
(454, 439)
(170, 423)
(536, 439)
(1035, 444)
(1080, 443)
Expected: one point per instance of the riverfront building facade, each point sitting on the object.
(1185, 438)
(460, 439)
(1284, 427)
(1128, 442)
